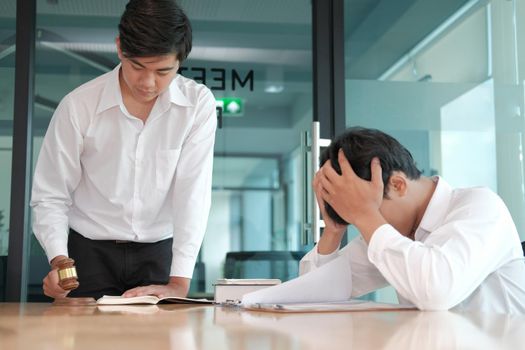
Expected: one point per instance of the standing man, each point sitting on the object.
(123, 181)
(439, 247)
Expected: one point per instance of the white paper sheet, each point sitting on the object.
(330, 282)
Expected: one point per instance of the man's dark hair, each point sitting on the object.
(154, 28)
(360, 146)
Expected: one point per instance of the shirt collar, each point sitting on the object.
(176, 95)
(436, 210)
(112, 96)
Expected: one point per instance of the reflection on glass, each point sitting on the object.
(245, 173)
(378, 330)
(448, 330)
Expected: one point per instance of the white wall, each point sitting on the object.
(468, 139)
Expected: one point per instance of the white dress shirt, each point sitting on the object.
(466, 255)
(108, 175)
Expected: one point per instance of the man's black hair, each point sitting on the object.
(154, 28)
(360, 146)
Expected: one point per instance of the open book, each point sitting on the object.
(148, 299)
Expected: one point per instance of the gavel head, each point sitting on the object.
(67, 274)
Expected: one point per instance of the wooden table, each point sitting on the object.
(43, 326)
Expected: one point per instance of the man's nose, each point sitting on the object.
(147, 80)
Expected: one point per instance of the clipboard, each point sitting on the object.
(353, 305)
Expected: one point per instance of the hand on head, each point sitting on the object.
(355, 200)
(330, 225)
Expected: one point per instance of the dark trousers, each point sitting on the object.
(112, 267)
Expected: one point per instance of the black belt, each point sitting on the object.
(115, 241)
(118, 241)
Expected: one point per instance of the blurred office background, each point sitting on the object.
(444, 77)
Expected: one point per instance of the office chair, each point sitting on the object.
(283, 265)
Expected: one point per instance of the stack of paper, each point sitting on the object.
(326, 289)
(231, 291)
(330, 282)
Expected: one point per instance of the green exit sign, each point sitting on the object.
(231, 107)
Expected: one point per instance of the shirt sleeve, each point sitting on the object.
(192, 188)
(365, 276)
(57, 174)
(452, 262)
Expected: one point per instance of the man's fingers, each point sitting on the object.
(132, 292)
(54, 292)
(51, 287)
(346, 168)
(317, 190)
(139, 291)
(315, 182)
(377, 173)
(329, 172)
(324, 183)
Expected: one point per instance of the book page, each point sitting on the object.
(148, 299)
(181, 300)
(330, 282)
(120, 300)
(129, 309)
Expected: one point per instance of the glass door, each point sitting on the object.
(7, 83)
(256, 58)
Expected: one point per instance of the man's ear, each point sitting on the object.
(397, 184)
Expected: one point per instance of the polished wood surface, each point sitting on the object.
(44, 326)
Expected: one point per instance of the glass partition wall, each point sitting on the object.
(7, 82)
(256, 58)
(446, 79)
(75, 42)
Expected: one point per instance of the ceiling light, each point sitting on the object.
(274, 89)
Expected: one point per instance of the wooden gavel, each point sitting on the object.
(68, 280)
(67, 274)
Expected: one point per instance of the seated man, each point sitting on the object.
(439, 247)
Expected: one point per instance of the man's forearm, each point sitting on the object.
(329, 242)
(369, 224)
(180, 283)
